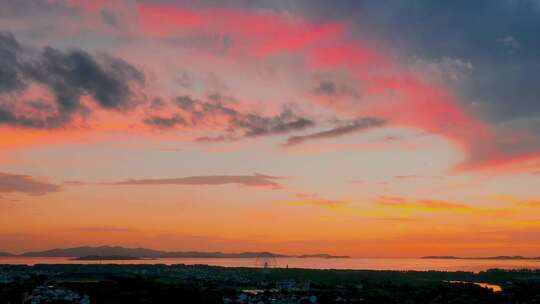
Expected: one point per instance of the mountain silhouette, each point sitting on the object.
(151, 253)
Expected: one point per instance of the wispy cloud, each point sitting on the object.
(306, 195)
(16, 183)
(432, 205)
(424, 203)
(238, 124)
(255, 180)
(519, 201)
(343, 128)
(75, 183)
(509, 41)
(319, 202)
(315, 199)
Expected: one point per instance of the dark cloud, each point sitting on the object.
(10, 78)
(15, 183)
(69, 75)
(255, 180)
(356, 125)
(165, 122)
(109, 18)
(256, 125)
(75, 183)
(500, 43)
(219, 138)
(331, 88)
(199, 110)
(326, 88)
(240, 124)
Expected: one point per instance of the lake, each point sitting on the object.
(313, 263)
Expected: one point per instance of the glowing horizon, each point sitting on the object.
(347, 129)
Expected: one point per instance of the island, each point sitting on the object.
(502, 257)
(107, 258)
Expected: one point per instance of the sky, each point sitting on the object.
(365, 128)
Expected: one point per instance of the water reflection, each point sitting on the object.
(313, 263)
(493, 287)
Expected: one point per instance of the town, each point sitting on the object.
(85, 284)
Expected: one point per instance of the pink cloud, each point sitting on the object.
(388, 89)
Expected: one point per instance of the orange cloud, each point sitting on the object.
(319, 202)
(431, 205)
(521, 202)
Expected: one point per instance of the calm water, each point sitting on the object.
(495, 288)
(315, 263)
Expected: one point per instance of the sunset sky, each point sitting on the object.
(367, 128)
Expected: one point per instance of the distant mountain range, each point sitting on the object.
(501, 257)
(106, 258)
(105, 252)
(150, 253)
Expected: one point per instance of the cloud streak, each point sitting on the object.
(315, 199)
(428, 204)
(255, 180)
(357, 125)
(238, 124)
(431, 205)
(16, 183)
(321, 202)
(165, 122)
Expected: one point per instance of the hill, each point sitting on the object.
(502, 257)
(150, 253)
(96, 251)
